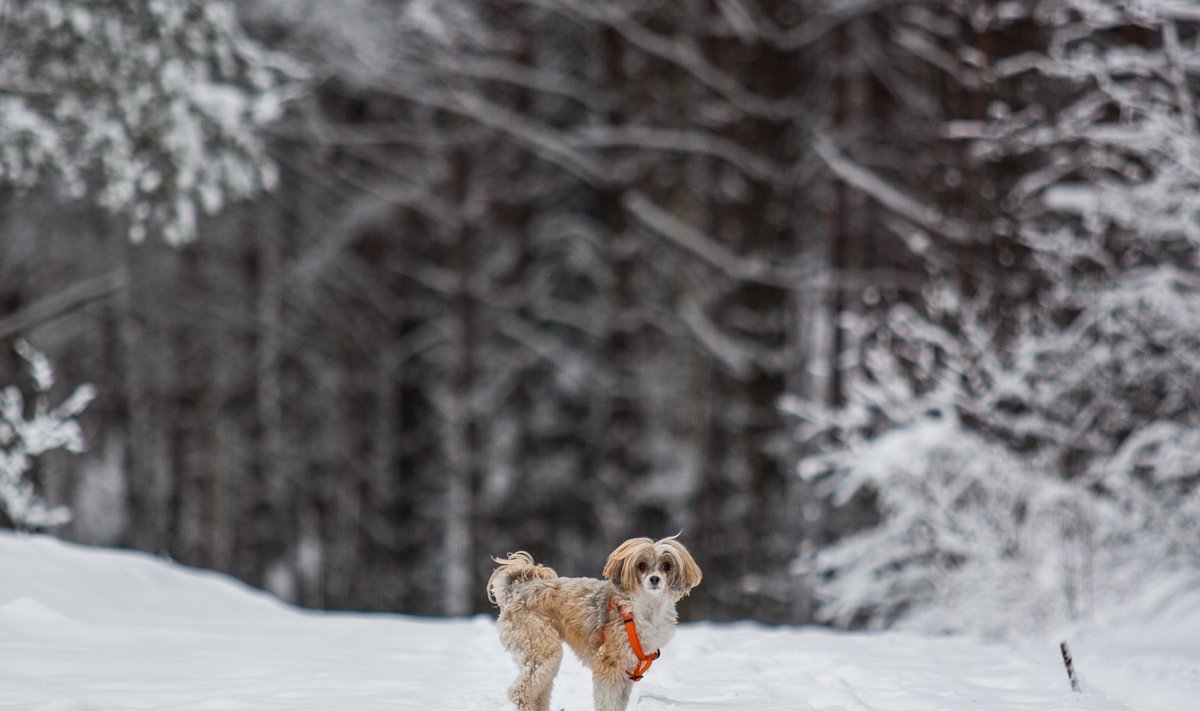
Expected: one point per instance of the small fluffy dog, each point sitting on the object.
(615, 626)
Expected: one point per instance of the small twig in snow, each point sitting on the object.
(1066, 654)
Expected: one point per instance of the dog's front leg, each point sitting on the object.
(610, 691)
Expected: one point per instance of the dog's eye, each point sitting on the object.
(642, 567)
(666, 567)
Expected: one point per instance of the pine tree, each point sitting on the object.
(1036, 427)
(149, 107)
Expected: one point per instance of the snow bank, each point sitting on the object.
(96, 629)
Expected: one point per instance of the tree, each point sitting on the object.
(150, 107)
(152, 110)
(1033, 427)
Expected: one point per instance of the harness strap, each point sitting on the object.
(644, 660)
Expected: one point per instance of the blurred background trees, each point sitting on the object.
(1029, 438)
(545, 274)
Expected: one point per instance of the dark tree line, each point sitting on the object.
(536, 275)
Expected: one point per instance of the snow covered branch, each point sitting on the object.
(153, 112)
(24, 437)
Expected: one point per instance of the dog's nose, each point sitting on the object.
(654, 579)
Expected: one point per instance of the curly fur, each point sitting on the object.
(539, 611)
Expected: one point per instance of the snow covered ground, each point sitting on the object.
(94, 629)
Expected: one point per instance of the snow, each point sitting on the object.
(89, 629)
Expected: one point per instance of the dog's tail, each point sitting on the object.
(516, 568)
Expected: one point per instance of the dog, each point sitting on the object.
(612, 625)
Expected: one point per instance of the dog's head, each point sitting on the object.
(643, 565)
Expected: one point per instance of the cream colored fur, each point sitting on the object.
(539, 611)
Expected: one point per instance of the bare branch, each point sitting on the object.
(806, 277)
(64, 302)
(736, 359)
(695, 241)
(544, 141)
(885, 193)
(549, 349)
(533, 78)
(679, 53)
(378, 205)
(677, 141)
(1178, 78)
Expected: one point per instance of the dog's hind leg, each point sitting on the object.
(551, 665)
(539, 654)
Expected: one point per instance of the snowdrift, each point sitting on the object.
(95, 629)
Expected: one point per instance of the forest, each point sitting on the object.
(891, 307)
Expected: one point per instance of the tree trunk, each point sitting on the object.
(272, 513)
(143, 359)
(461, 455)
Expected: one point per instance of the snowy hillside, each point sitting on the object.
(94, 629)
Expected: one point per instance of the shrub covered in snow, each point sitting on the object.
(1017, 485)
(966, 528)
(974, 532)
(28, 432)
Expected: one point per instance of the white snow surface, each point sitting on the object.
(90, 629)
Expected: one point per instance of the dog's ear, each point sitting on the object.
(620, 568)
(686, 574)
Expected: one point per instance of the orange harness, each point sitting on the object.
(644, 660)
